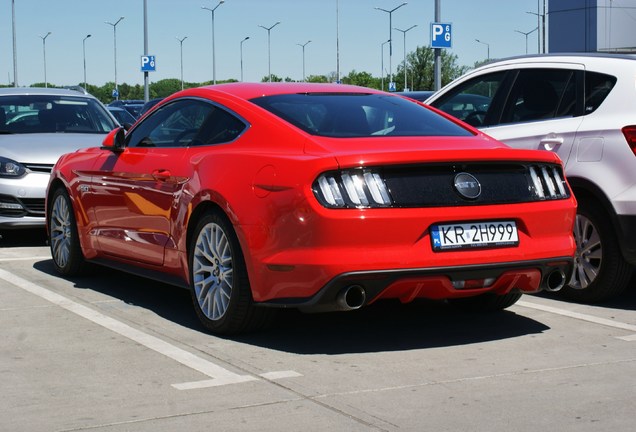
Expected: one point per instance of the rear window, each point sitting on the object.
(49, 113)
(597, 87)
(349, 115)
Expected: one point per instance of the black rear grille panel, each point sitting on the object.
(433, 185)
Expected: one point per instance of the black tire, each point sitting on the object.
(62, 235)
(488, 302)
(600, 271)
(219, 284)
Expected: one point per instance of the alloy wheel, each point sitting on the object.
(60, 231)
(212, 271)
(589, 253)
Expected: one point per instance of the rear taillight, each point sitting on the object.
(630, 136)
(357, 188)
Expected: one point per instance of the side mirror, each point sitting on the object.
(115, 141)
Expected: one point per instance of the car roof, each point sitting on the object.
(562, 57)
(253, 90)
(16, 91)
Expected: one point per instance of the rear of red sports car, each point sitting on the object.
(321, 197)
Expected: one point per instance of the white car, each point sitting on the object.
(37, 126)
(583, 107)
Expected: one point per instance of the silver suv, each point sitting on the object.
(37, 126)
(583, 107)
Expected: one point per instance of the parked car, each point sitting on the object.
(133, 106)
(148, 105)
(582, 107)
(418, 95)
(123, 117)
(37, 126)
(314, 196)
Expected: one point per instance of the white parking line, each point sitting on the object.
(584, 317)
(30, 258)
(219, 375)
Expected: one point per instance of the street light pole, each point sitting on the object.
(404, 33)
(213, 46)
(84, 56)
(390, 12)
(303, 47)
(487, 45)
(526, 35)
(246, 38)
(181, 45)
(15, 49)
(44, 51)
(337, 42)
(382, 61)
(269, 51)
(115, 50)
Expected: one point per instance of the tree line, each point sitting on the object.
(419, 71)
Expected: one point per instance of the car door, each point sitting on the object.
(135, 191)
(532, 106)
(543, 110)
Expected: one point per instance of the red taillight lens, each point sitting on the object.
(630, 136)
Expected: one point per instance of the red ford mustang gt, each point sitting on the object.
(313, 196)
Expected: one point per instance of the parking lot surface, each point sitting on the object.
(113, 352)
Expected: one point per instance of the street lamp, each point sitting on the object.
(15, 49)
(246, 38)
(487, 45)
(269, 53)
(181, 46)
(115, 49)
(84, 56)
(390, 12)
(213, 50)
(404, 33)
(540, 23)
(303, 47)
(382, 61)
(526, 35)
(44, 51)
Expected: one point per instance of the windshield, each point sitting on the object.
(23, 114)
(345, 115)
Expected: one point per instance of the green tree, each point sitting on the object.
(421, 66)
(275, 78)
(364, 79)
(317, 79)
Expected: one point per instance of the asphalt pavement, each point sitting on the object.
(114, 352)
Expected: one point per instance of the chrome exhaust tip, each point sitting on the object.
(555, 280)
(351, 297)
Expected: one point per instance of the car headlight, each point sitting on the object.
(11, 169)
(359, 188)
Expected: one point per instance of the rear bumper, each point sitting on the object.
(436, 283)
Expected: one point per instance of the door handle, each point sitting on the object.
(161, 174)
(551, 143)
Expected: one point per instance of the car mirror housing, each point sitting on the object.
(115, 141)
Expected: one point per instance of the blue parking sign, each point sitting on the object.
(441, 35)
(148, 64)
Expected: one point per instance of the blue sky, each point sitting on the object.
(362, 31)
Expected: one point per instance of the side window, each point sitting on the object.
(219, 126)
(472, 101)
(540, 94)
(597, 87)
(174, 125)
